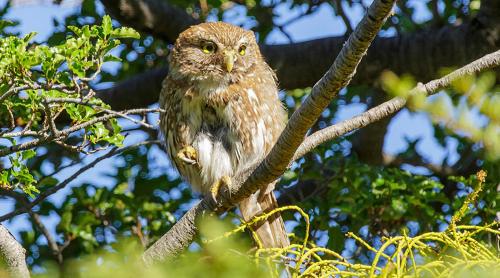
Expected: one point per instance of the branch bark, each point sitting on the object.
(155, 17)
(337, 77)
(298, 65)
(392, 106)
(13, 254)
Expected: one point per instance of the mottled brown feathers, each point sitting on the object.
(230, 114)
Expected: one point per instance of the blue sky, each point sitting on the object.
(39, 17)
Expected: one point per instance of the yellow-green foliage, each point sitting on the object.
(455, 252)
(471, 96)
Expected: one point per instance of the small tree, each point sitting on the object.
(55, 126)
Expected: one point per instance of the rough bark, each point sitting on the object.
(13, 254)
(421, 54)
(155, 17)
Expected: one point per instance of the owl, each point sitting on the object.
(222, 114)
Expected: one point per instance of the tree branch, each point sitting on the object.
(13, 254)
(338, 76)
(51, 242)
(155, 17)
(392, 106)
(60, 136)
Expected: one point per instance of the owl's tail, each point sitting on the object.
(271, 233)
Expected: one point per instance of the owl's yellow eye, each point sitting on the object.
(242, 50)
(208, 47)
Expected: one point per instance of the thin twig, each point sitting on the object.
(63, 134)
(51, 242)
(343, 15)
(64, 183)
(14, 90)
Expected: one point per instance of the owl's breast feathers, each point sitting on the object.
(229, 126)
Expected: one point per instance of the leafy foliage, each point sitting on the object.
(39, 82)
(100, 219)
(454, 252)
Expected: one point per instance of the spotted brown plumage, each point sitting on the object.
(222, 114)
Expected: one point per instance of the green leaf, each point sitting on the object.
(399, 206)
(6, 23)
(107, 25)
(28, 154)
(30, 189)
(125, 32)
(75, 30)
(111, 58)
(48, 181)
(65, 222)
(29, 36)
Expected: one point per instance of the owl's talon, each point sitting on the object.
(224, 181)
(188, 155)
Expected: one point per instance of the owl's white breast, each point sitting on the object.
(214, 160)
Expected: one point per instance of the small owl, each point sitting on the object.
(222, 115)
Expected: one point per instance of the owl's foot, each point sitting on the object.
(224, 181)
(188, 155)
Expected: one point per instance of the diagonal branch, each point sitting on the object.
(338, 76)
(13, 254)
(392, 106)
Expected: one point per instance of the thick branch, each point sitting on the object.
(13, 254)
(138, 91)
(421, 54)
(156, 17)
(185, 229)
(277, 161)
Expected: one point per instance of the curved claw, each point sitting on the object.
(188, 155)
(224, 181)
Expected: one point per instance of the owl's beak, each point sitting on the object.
(229, 59)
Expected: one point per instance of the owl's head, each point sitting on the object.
(214, 52)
